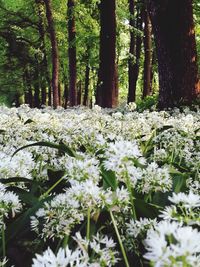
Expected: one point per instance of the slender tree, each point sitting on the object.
(54, 52)
(28, 82)
(147, 55)
(107, 90)
(174, 32)
(46, 82)
(87, 78)
(72, 53)
(36, 86)
(134, 49)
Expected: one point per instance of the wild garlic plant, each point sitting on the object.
(100, 187)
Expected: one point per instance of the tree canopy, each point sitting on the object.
(27, 53)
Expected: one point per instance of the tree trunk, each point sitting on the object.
(134, 51)
(72, 53)
(153, 67)
(54, 52)
(147, 55)
(36, 87)
(87, 81)
(66, 95)
(107, 90)
(60, 94)
(79, 93)
(44, 64)
(29, 94)
(173, 28)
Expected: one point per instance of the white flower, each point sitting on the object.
(103, 248)
(190, 200)
(64, 258)
(171, 244)
(9, 202)
(58, 217)
(155, 178)
(118, 200)
(134, 228)
(185, 209)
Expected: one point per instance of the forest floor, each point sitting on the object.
(99, 187)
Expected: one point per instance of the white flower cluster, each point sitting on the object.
(119, 157)
(103, 254)
(185, 209)
(155, 178)
(135, 228)
(9, 203)
(171, 244)
(58, 217)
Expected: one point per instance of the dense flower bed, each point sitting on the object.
(82, 187)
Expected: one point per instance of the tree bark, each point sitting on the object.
(66, 95)
(72, 53)
(36, 87)
(173, 28)
(87, 81)
(44, 64)
(54, 52)
(107, 90)
(147, 55)
(29, 94)
(79, 93)
(134, 51)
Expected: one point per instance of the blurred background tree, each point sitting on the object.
(27, 63)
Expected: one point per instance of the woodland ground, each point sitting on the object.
(83, 187)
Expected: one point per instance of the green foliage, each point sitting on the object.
(149, 102)
(22, 50)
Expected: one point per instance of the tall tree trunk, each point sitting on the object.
(153, 67)
(29, 94)
(79, 93)
(44, 64)
(60, 94)
(147, 55)
(36, 87)
(72, 53)
(173, 28)
(134, 51)
(66, 95)
(107, 90)
(131, 78)
(87, 81)
(54, 52)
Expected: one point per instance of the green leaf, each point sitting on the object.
(28, 121)
(22, 223)
(163, 128)
(179, 183)
(109, 178)
(147, 210)
(54, 176)
(137, 163)
(61, 147)
(26, 197)
(17, 180)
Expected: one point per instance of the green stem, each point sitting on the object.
(88, 224)
(58, 246)
(3, 241)
(119, 240)
(65, 241)
(51, 188)
(128, 183)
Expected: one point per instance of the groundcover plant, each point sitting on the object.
(82, 187)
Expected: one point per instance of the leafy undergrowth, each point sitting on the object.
(82, 187)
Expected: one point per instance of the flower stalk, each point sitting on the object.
(119, 240)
